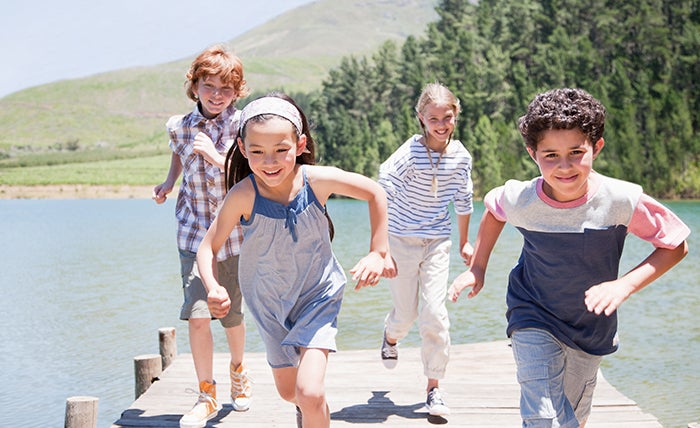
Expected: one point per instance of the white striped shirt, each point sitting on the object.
(407, 178)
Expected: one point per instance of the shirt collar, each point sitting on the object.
(198, 117)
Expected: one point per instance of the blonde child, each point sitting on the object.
(428, 172)
(289, 276)
(199, 141)
(564, 292)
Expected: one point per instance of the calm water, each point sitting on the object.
(87, 283)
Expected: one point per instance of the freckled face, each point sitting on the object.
(565, 159)
(439, 123)
(271, 148)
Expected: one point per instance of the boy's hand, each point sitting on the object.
(160, 192)
(606, 297)
(368, 270)
(204, 146)
(218, 301)
(464, 280)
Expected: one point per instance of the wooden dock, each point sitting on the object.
(480, 389)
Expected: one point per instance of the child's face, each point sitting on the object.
(271, 148)
(565, 158)
(214, 95)
(439, 122)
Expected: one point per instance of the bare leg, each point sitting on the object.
(285, 381)
(310, 388)
(202, 347)
(235, 336)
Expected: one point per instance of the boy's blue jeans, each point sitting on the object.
(556, 381)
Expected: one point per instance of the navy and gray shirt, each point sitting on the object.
(569, 247)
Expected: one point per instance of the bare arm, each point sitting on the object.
(465, 250)
(236, 204)
(161, 191)
(608, 296)
(328, 180)
(489, 230)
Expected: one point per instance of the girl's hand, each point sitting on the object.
(368, 270)
(467, 252)
(219, 302)
(606, 297)
(464, 280)
(390, 269)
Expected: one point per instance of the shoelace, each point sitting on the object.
(203, 397)
(434, 397)
(241, 383)
(389, 351)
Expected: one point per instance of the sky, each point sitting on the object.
(42, 41)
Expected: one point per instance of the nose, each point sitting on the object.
(564, 162)
(269, 159)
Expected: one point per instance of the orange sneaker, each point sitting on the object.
(241, 388)
(205, 409)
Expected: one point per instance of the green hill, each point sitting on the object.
(83, 130)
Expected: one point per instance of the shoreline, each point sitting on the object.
(75, 191)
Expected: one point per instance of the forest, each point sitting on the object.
(639, 58)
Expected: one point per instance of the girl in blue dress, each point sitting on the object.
(289, 277)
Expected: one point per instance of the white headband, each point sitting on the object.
(271, 105)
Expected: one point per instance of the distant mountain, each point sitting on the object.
(122, 113)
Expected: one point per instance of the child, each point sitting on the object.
(564, 292)
(289, 276)
(200, 141)
(421, 178)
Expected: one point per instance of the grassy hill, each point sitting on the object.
(89, 130)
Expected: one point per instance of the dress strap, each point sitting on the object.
(255, 185)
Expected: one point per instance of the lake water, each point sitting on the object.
(87, 284)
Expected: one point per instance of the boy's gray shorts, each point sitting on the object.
(195, 304)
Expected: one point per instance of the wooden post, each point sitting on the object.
(147, 368)
(81, 412)
(168, 345)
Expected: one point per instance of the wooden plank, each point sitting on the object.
(480, 389)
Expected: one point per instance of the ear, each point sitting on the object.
(241, 147)
(597, 147)
(420, 121)
(531, 153)
(301, 144)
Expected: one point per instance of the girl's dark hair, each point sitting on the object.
(237, 167)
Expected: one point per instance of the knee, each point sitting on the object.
(199, 325)
(310, 398)
(287, 395)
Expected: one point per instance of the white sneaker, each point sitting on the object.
(435, 404)
(205, 409)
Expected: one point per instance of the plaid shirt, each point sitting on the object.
(203, 185)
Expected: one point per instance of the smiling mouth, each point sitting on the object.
(272, 173)
(567, 179)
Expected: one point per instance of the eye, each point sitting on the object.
(577, 152)
(550, 156)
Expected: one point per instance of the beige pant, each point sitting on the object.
(418, 292)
